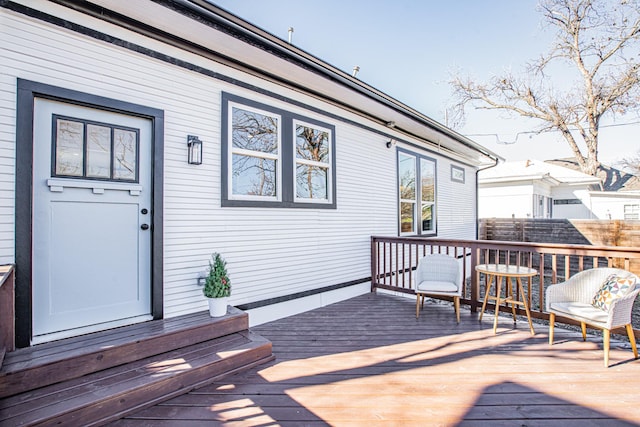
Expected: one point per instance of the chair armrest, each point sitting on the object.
(574, 290)
(620, 310)
(581, 287)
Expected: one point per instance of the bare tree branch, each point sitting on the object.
(600, 40)
(632, 163)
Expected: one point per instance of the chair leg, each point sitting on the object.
(583, 327)
(605, 340)
(632, 340)
(552, 319)
(456, 303)
(417, 305)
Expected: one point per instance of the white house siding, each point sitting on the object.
(506, 201)
(611, 205)
(457, 202)
(572, 211)
(7, 167)
(270, 252)
(603, 207)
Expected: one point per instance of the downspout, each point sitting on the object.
(475, 288)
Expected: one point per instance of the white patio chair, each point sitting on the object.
(438, 274)
(574, 299)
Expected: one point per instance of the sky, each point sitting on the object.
(409, 49)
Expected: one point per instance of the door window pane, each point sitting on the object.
(98, 151)
(69, 143)
(125, 153)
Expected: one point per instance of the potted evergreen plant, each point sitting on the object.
(217, 286)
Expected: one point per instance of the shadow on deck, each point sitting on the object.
(369, 362)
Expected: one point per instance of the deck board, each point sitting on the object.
(369, 362)
(57, 361)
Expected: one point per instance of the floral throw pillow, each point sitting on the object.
(613, 287)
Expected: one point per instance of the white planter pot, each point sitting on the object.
(218, 306)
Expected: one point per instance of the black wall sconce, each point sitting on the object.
(194, 146)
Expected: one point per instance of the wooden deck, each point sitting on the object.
(368, 362)
(92, 379)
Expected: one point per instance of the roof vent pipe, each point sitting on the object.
(290, 34)
(355, 70)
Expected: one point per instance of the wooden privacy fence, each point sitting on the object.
(394, 259)
(596, 232)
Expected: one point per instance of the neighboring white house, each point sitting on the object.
(550, 189)
(109, 220)
(620, 194)
(615, 204)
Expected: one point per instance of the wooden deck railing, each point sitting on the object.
(7, 298)
(394, 259)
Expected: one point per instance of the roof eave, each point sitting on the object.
(223, 16)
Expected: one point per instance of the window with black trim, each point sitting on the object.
(416, 193)
(90, 150)
(275, 158)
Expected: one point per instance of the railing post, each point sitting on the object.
(374, 263)
(475, 286)
(7, 312)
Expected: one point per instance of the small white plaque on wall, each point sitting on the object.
(457, 174)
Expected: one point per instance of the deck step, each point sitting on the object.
(45, 364)
(110, 394)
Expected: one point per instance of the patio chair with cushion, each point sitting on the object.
(599, 297)
(438, 274)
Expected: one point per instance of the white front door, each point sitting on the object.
(91, 220)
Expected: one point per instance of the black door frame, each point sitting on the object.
(28, 91)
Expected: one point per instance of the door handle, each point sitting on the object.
(145, 226)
